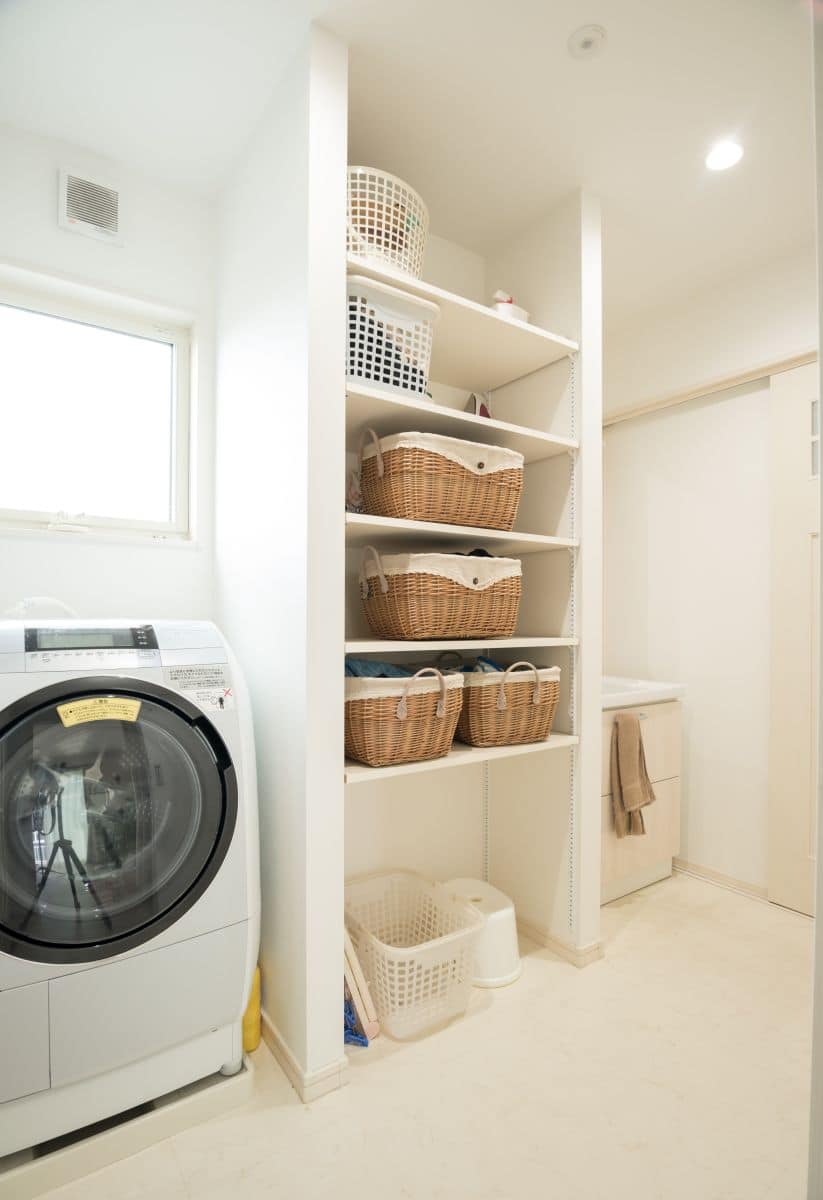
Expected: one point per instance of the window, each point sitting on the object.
(94, 421)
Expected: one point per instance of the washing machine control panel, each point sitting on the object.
(84, 648)
(91, 660)
(55, 637)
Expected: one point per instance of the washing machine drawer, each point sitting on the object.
(119, 1013)
(24, 1041)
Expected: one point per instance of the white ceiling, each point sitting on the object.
(478, 104)
(488, 93)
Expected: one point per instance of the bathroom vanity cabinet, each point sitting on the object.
(630, 863)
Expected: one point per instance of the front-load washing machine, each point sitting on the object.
(129, 867)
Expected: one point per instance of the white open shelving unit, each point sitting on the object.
(526, 810)
(474, 347)
(393, 413)
(527, 818)
(362, 529)
(460, 756)
(376, 646)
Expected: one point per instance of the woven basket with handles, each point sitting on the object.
(426, 477)
(421, 597)
(508, 709)
(389, 721)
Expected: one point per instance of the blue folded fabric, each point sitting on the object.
(367, 668)
(483, 665)
(351, 1034)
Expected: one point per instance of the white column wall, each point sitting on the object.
(553, 270)
(279, 535)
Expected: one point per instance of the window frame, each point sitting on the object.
(121, 318)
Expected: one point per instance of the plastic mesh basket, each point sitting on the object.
(387, 220)
(415, 940)
(389, 335)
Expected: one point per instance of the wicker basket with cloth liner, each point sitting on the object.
(419, 597)
(390, 721)
(511, 708)
(427, 477)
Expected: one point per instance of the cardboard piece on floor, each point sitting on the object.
(359, 978)
(369, 1028)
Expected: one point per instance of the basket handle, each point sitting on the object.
(403, 708)
(376, 442)
(501, 695)
(449, 661)
(364, 579)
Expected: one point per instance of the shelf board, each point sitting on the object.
(393, 412)
(382, 646)
(362, 528)
(459, 756)
(474, 347)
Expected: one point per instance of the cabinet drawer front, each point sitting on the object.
(626, 856)
(24, 1041)
(121, 1012)
(660, 729)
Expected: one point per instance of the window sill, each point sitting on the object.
(99, 536)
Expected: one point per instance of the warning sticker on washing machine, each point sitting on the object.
(98, 708)
(209, 686)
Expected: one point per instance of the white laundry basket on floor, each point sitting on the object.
(415, 940)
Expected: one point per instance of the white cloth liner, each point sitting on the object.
(380, 689)
(477, 574)
(488, 678)
(473, 456)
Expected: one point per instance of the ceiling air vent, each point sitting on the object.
(89, 207)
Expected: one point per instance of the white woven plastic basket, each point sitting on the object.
(389, 335)
(387, 220)
(415, 940)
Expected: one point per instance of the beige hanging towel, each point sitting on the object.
(631, 786)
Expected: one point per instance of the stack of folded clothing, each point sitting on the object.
(366, 668)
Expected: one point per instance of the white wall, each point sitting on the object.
(280, 491)
(455, 268)
(686, 598)
(759, 318)
(815, 1180)
(167, 259)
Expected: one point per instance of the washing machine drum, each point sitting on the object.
(118, 802)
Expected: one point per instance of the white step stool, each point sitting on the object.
(496, 955)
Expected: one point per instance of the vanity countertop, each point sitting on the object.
(619, 692)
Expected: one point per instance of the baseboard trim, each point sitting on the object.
(174, 1114)
(311, 1085)
(708, 875)
(617, 889)
(578, 956)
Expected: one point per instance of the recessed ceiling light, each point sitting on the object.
(724, 155)
(587, 41)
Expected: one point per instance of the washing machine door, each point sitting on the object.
(118, 802)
